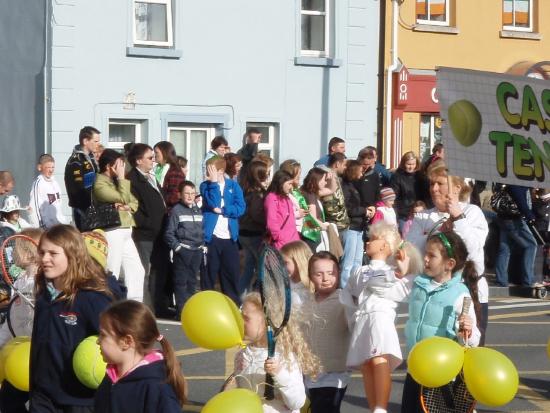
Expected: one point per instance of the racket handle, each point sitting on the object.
(269, 392)
(466, 303)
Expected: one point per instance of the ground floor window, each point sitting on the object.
(123, 131)
(269, 143)
(192, 142)
(430, 133)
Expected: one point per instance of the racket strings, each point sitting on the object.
(274, 289)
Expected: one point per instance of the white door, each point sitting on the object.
(192, 142)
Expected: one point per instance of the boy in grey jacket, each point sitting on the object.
(184, 236)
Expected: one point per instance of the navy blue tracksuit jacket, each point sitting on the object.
(144, 390)
(58, 328)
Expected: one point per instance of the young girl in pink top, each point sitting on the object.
(279, 211)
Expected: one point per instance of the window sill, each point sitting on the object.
(155, 52)
(317, 61)
(435, 29)
(512, 34)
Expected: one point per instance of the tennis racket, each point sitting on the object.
(453, 397)
(17, 253)
(275, 294)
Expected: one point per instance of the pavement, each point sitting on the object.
(519, 327)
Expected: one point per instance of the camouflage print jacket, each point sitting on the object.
(335, 208)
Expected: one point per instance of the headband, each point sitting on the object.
(446, 244)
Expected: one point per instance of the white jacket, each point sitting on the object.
(290, 394)
(45, 203)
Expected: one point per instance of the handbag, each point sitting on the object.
(503, 204)
(101, 216)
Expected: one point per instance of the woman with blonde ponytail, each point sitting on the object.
(147, 379)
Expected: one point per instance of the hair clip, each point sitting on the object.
(446, 244)
(160, 338)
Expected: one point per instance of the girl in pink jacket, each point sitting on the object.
(280, 211)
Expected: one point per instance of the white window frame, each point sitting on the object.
(433, 22)
(272, 138)
(327, 14)
(117, 121)
(210, 134)
(515, 28)
(169, 28)
(433, 117)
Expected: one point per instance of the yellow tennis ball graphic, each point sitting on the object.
(88, 363)
(465, 122)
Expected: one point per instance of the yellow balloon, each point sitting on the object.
(234, 401)
(435, 361)
(6, 350)
(490, 376)
(305, 407)
(212, 320)
(17, 366)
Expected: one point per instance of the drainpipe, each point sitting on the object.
(389, 85)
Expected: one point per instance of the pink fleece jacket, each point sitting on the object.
(279, 213)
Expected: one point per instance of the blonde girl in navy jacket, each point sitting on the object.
(70, 293)
(140, 378)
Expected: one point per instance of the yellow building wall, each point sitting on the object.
(478, 45)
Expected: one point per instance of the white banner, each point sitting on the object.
(496, 127)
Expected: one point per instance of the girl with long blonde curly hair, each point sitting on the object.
(293, 359)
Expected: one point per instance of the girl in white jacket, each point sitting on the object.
(293, 358)
(374, 346)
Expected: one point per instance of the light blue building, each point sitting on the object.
(186, 71)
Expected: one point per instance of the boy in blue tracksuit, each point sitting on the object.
(223, 204)
(185, 238)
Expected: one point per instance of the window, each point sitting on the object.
(435, 12)
(153, 23)
(192, 142)
(315, 21)
(270, 138)
(123, 131)
(430, 134)
(517, 15)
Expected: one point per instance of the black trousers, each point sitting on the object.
(40, 403)
(222, 260)
(410, 402)
(187, 265)
(12, 400)
(326, 399)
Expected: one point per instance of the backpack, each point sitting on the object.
(503, 204)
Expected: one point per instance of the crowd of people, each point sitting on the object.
(356, 239)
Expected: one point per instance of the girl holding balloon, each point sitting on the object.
(435, 302)
(374, 345)
(293, 358)
(139, 378)
(70, 293)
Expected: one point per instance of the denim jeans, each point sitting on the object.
(514, 233)
(251, 247)
(353, 254)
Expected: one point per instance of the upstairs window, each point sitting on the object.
(517, 15)
(435, 12)
(153, 23)
(315, 21)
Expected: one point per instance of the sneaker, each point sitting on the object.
(537, 285)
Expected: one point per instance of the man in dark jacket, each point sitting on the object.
(149, 218)
(515, 234)
(80, 173)
(249, 149)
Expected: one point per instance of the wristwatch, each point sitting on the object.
(461, 216)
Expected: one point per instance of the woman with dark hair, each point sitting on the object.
(233, 167)
(279, 210)
(112, 187)
(406, 183)
(312, 189)
(252, 223)
(168, 172)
